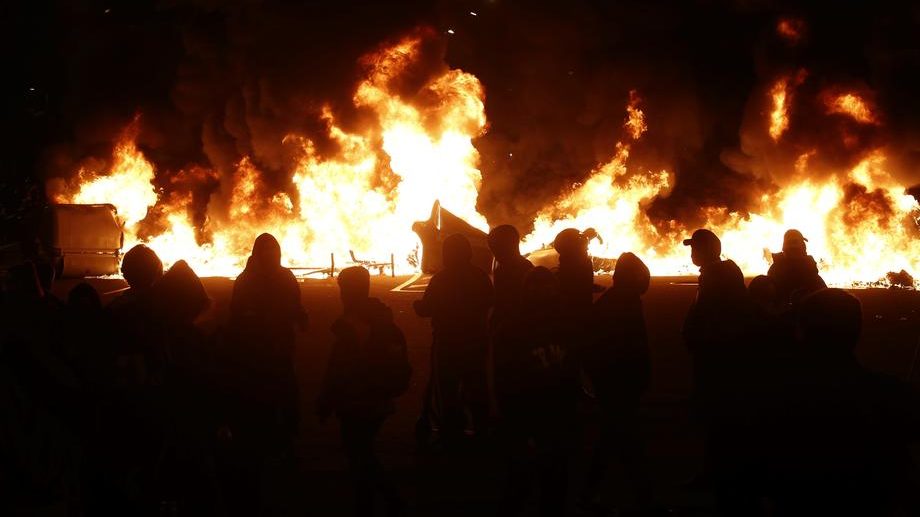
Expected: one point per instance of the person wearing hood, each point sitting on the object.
(794, 272)
(368, 368)
(618, 364)
(265, 312)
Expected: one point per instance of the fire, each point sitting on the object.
(781, 97)
(779, 118)
(861, 223)
(635, 118)
(418, 147)
(851, 105)
(362, 199)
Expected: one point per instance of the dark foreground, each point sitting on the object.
(313, 482)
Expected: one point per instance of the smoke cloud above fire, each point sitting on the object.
(212, 84)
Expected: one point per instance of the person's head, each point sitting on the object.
(794, 242)
(354, 285)
(541, 288)
(705, 247)
(266, 252)
(762, 291)
(831, 320)
(504, 242)
(141, 267)
(180, 297)
(631, 274)
(84, 298)
(570, 243)
(457, 251)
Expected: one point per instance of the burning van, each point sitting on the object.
(82, 240)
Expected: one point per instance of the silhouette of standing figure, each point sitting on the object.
(837, 434)
(575, 273)
(794, 271)
(537, 387)
(509, 272)
(458, 300)
(368, 367)
(266, 309)
(718, 332)
(618, 364)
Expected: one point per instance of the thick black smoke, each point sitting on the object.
(217, 81)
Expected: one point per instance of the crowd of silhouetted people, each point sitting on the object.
(133, 409)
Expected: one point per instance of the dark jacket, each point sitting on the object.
(368, 366)
(617, 359)
(458, 301)
(791, 273)
(509, 283)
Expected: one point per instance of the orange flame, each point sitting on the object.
(364, 199)
(859, 220)
(779, 118)
(851, 105)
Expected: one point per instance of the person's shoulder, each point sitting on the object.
(378, 311)
(524, 264)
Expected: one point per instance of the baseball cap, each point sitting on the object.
(702, 237)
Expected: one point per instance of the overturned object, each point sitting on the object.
(82, 240)
(441, 225)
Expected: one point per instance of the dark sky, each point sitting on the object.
(218, 80)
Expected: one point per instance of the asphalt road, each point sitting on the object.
(314, 482)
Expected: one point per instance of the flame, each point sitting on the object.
(635, 118)
(418, 147)
(363, 199)
(860, 222)
(851, 105)
(779, 118)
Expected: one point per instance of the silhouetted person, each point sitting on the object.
(794, 270)
(130, 421)
(537, 387)
(457, 300)
(137, 346)
(508, 276)
(718, 332)
(85, 342)
(618, 364)
(265, 314)
(509, 272)
(368, 368)
(41, 401)
(838, 434)
(266, 311)
(711, 328)
(188, 402)
(576, 272)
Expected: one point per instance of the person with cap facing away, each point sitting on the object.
(794, 271)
